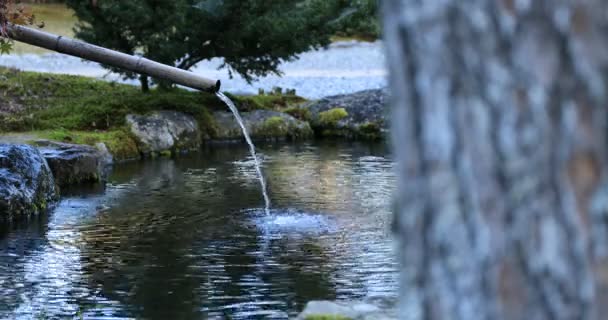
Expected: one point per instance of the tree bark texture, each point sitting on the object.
(499, 112)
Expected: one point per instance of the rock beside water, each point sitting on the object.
(342, 310)
(73, 163)
(165, 131)
(359, 115)
(26, 182)
(261, 125)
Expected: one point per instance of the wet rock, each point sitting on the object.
(73, 163)
(165, 132)
(26, 183)
(342, 310)
(261, 125)
(106, 156)
(358, 115)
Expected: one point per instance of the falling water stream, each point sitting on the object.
(256, 161)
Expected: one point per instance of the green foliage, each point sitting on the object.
(331, 117)
(326, 124)
(253, 36)
(5, 46)
(299, 113)
(12, 12)
(370, 131)
(274, 127)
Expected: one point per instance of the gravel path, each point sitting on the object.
(344, 67)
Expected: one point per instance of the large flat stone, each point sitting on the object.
(73, 163)
(358, 115)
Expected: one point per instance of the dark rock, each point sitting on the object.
(106, 156)
(165, 131)
(261, 125)
(358, 115)
(26, 183)
(73, 163)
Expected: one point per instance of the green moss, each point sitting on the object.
(266, 101)
(299, 113)
(206, 123)
(326, 317)
(51, 102)
(120, 143)
(165, 153)
(370, 131)
(331, 117)
(303, 132)
(273, 127)
(278, 127)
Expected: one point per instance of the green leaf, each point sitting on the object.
(5, 46)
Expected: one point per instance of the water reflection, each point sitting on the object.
(186, 238)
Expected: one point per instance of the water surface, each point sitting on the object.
(188, 238)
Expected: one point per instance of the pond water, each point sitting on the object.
(188, 238)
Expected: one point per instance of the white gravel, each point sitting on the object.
(344, 67)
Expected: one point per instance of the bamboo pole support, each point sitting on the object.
(109, 57)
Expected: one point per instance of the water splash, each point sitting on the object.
(258, 168)
(282, 222)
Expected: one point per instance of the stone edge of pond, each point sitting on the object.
(33, 174)
(167, 133)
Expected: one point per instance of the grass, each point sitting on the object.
(120, 143)
(83, 110)
(50, 102)
(354, 37)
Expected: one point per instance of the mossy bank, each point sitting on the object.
(82, 110)
(87, 111)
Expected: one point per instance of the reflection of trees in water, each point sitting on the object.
(176, 219)
(47, 279)
(254, 278)
(352, 185)
(18, 241)
(324, 175)
(174, 242)
(132, 248)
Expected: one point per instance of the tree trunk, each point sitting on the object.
(145, 83)
(499, 129)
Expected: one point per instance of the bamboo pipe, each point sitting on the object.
(113, 58)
